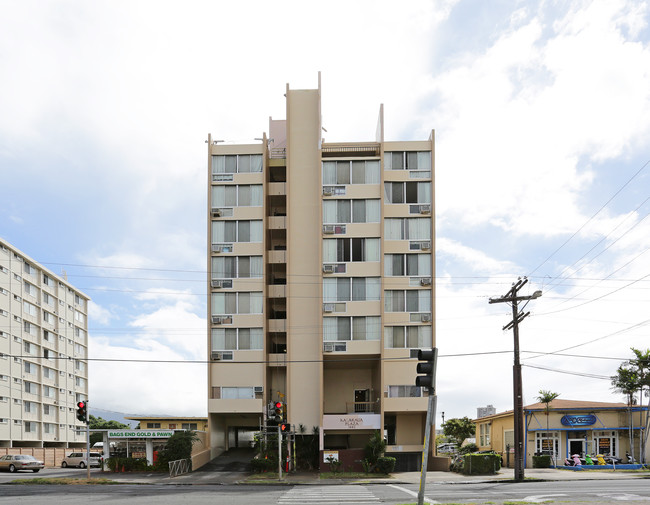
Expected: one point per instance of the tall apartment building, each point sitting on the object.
(321, 282)
(43, 354)
(485, 411)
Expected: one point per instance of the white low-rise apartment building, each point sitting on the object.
(43, 354)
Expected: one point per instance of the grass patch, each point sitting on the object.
(64, 481)
(353, 475)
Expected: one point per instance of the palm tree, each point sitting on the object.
(546, 397)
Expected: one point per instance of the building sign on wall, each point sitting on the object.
(586, 420)
(140, 434)
(351, 422)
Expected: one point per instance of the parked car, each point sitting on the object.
(15, 462)
(79, 459)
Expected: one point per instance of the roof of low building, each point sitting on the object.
(564, 405)
(167, 418)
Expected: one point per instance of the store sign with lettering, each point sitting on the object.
(140, 434)
(351, 422)
(586, 420)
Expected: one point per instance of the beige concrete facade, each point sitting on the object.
(43, 355)
(321, 282)
(570, 427)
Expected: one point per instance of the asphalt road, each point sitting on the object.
(571, 492)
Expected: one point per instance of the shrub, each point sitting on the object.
(486, 463)
(261, 465)
(128, 464)
(335, 464)
(367, 466)
(542, 461)
(468, 449)
(385, 465)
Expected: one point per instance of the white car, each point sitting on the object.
(79, 459)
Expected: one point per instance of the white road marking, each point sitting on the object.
(412, 493)
(540, 498)
(622, 497)
(328, 494)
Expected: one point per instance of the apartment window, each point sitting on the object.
(237, 196)
(48, 299)
(3, 377)
(80, 382)
(28, 348)
(350, 249)
(30, 328)
(231, 267)
(351, 328)
(31, 388)
(47, 281)
(48, 354)
(408, 337)
(547, 442)
(30, 407)
(79, 316)
(4, 399)
(407, 228)
(30, 368)
(407, 192)
(345, 289)
(3, 291)
(29, 289)
(237, 393)
(407, 264)
(153, 425)
(79, 333)
(78, 349)
(190, 426)
(48, 373)
(28, 269)
(78, 300)
(3, 312)
(48, 318)
(351, 172)
(48, 391)
(351, 211)
(237, 303)
(30, 309)
(407, 160)
(404, 391)
(80, 366)
(237, 339)
(237, 231)
(49, 428)
(236, 163)
(414, 300)
(172, 426)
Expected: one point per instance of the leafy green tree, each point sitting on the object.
(99, 423)
(179, 446)
(633, 376)
(546, 397)
(459, 429)
(375, 448)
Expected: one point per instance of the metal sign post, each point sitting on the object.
(87, 442)
(431, 412)
(279, 453)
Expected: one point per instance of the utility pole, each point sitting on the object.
(517, 317)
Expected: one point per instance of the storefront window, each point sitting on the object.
(606, 443)
(547, 442)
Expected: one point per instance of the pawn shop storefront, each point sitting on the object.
(135, 443)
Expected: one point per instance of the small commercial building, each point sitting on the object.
(568, 427)
(171, 423)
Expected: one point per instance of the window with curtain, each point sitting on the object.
(404, 391)
(236, 231)
(237, 393)
(345, 289)
(407, 264)
(351, 211)
(350, 249)
(351, 328)
(233, 195)
(351, 172)
(237, 303)
(410, 228)
(237, 339)
(413, 300)
(408, 337)
(236, 163)
(407, 160)
(232, 267)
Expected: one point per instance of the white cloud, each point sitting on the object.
(98, 314)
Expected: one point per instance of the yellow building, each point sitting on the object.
(571, 427)
(171, 423)
(321, 282)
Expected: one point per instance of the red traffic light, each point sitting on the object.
(278, 405)
(81, 405)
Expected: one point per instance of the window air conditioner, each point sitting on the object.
(328, 307)
(216, 283)
(329, 229)
(425, 209)
(216, 320)
(216, 212)
(425, 318)
(425, 281)
(328, 191)
(328, 347)
(328, 269)
(259, 389)
(426, 246)
(215, 356)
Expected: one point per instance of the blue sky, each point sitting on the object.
(541, 112)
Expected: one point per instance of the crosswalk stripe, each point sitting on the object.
(328, 494)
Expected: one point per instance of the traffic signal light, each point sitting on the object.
(82, 413)
(279, 411)
(427, 368)
(285, 428)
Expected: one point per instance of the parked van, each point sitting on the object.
(79, 459)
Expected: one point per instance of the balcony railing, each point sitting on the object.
(362, 407)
